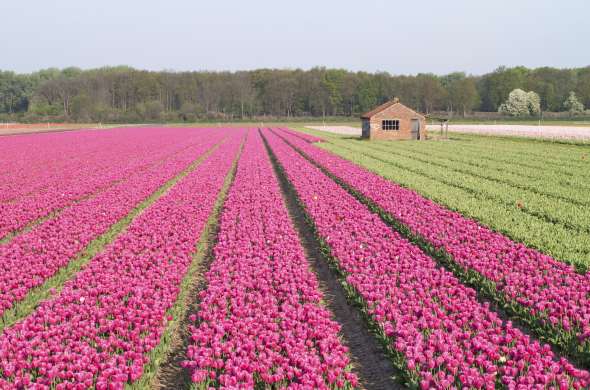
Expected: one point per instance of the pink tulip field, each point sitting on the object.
(32, 257)
(97, 329)
(168, 257)
(43, 182)
(261, 313)
(407, 295)
(541, 290)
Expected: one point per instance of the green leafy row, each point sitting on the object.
(565, 184)
(498, 206)
(558, 211)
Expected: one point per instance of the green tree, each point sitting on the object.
(82, 108)
(462, 92)
(495, 87)
(583, 86)
(125, 94)
(572, 105)
(367, 93)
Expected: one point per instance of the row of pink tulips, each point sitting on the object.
(31, 196)
(445, 337)
(260, 321)
(96, 165)
(33, 257)
(97, 330)
(545, 290)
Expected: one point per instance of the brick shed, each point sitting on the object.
(393, 120)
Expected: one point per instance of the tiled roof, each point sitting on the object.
(375, 111)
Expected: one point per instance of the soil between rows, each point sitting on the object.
(370, 362)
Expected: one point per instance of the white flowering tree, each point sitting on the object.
(573, 105)
(534, 102)
(516, 104)
(521, 103)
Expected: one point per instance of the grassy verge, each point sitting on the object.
(179, 311)
(54, 284)
(566, 342)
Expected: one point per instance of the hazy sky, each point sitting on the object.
(401, 37)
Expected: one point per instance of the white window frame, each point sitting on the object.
(390, 124)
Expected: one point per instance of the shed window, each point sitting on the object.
(390, 124)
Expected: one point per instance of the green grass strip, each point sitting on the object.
(179, 310)
(55, 283)
(459, 167)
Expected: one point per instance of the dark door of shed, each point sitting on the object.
(415, 129)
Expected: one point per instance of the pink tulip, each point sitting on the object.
(33, 257)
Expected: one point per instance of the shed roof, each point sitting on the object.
(384, 106)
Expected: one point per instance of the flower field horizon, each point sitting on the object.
(175, 257)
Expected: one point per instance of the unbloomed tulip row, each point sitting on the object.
(445, 336)
(260, 321)
(44, 182)
(33, 257)
(98, 329)
(551, 291)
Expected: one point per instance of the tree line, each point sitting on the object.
(124, 94)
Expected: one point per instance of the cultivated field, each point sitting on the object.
(260, 258)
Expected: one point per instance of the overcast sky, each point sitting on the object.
(401, 37)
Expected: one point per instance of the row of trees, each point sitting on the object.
(126, 94)
(522, 103)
